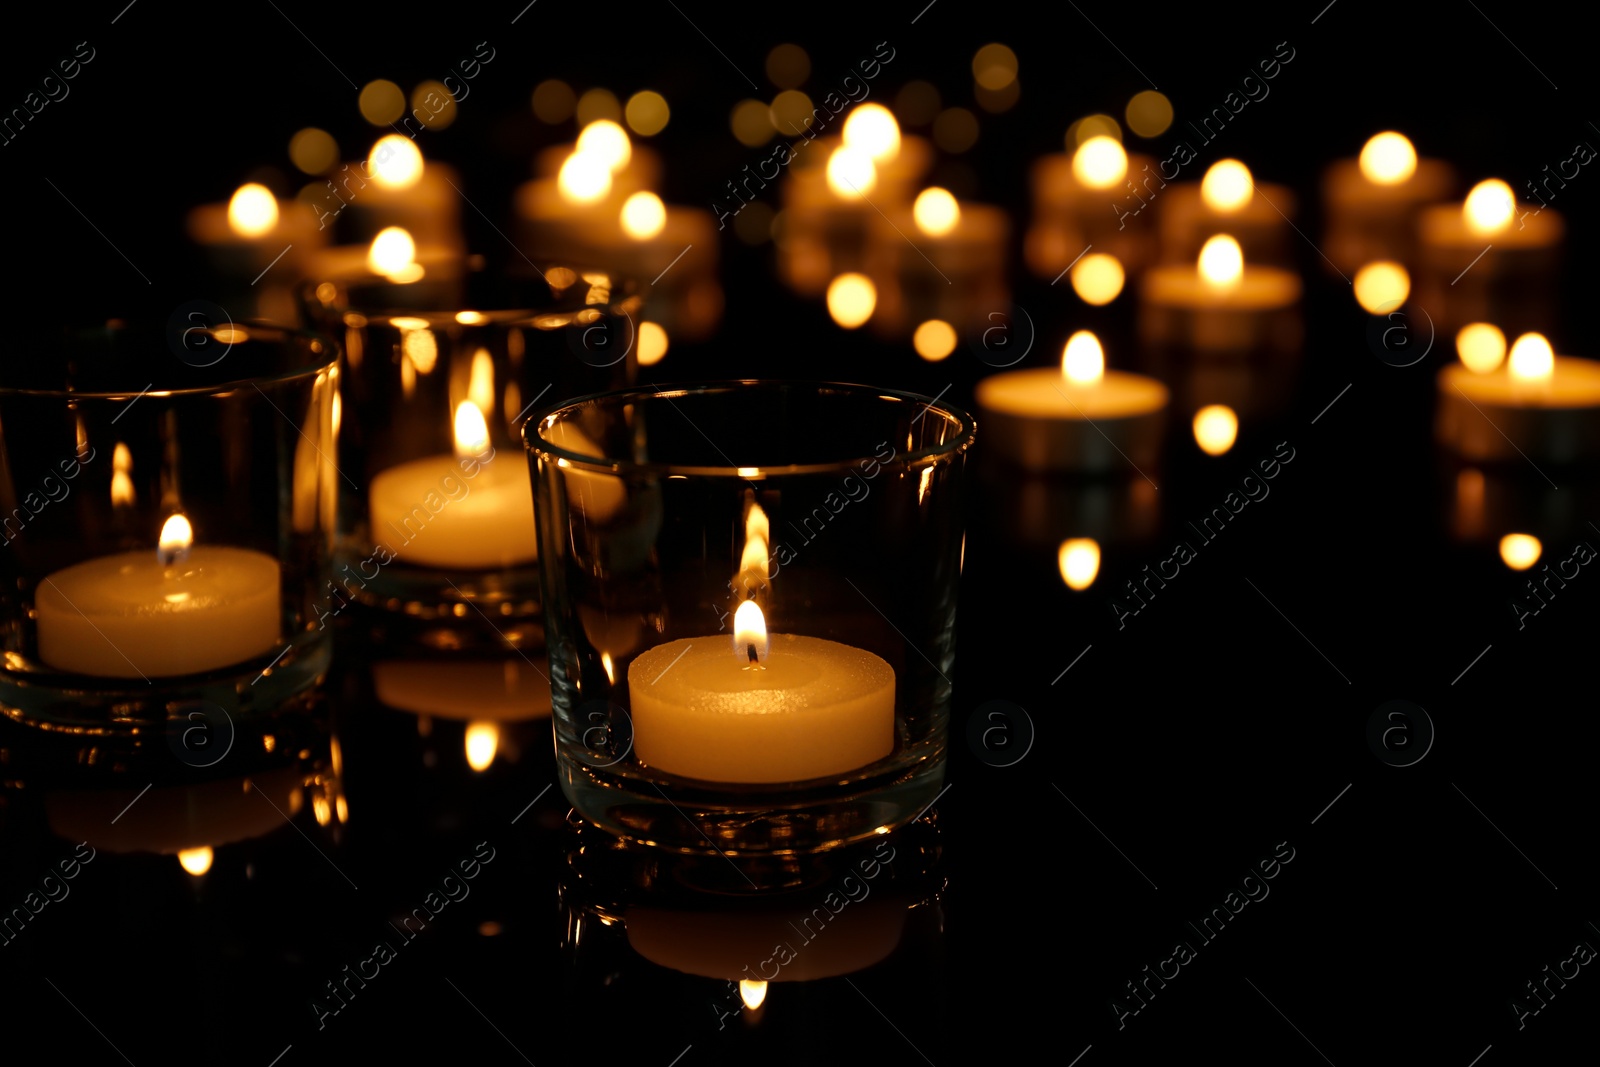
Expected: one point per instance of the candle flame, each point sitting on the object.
(606, 141)
(750, 632)
(1381, 286)
(483, 740)
(396, 162)
(1100, 162)
(1227, 186)
(872, 129)
(851, 172)
(1481, 346)
(480, 386)
(392, 253)
(177, 537)
(609, 666)
(936, 211)
(851, 299)
(1221, 262)
(1388, 158)
(1489, 207)
(643, 216)
(1097, 278)
(1532, 359)
(653, 343)
(584, 178)
(1216, 427)
(196, 861)
(753, 991)
(122, 493)
(934, 340)
(1520, 551)
(471, 431)
(1083, 361)
(1079, 559)
(253, 211)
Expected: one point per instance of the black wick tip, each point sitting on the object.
(750, 649)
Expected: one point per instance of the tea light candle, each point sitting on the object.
(1221, 305)
(403, 189)
(1094, 195)
(1080, 417)
(940, 259)
(763, 711)
(1372, 202)
(1227, 200)
(179, 610)
(1536, 405)
(1489, 259)
(416, 513)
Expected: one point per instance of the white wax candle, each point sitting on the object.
(469, 514)
(130, 615)
(812, 708)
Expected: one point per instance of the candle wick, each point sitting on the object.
(751, 650)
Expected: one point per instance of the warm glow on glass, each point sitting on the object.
(1100, 162)
(196, 861)
(936, 211)
(253, 211)
(1489, 207)
(1382, 286)
(1520, 551)
(1079, 559)
(653, 344)
(609, 666)
(851, 299)
(872, 129)
(177, 536)
(994, 66)
(1227, 186)
(392, 251)
(753, 991)
(851, 172)
(1388, 159)
(1216, 427)
(584, 178)
(1221, 262)
(471, 318)
(1532, 359)
(483, 740)
(934, 340)
(643, 216)
(749, 629)
(1083, 361)
(1481, 346)
(608, 141)
(396, 162)
(1097, 278)
(471, 431)
(480, 382)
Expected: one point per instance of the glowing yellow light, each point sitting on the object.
(1532, 359)
(934, 340)
(480, 382)
(553, 101)
(252, 211)
(1520, 551)
(313, 151)
(392, 251)
(433, 105)
(1097, 278)
(1481, 346)
(1489, 207)
(955, 130)
(122, 493)
(753, 991)
(851, 173)
(608, 141)
(788, 66)
(647, 112)
(751, 122)
(1100, 162)
(471, 430)
(395, 162)
(936, 211)
(1216, 427)
(584, 179)
(1083, 361)
(196, 861)
(994, 66)
(1092, 126)
(597, 104)
(1079, 560)
(791, 113)
(177, 536)
(1221, 262)
(872, 129)
(851, 299)
(1388, 158)
(1382, 286)
(471, 318)
(381, 102)
(643, 216)
(653, 344)
(1227, 186)
(610, 667)
(482, 741)
(1149, 113)
(749, 630)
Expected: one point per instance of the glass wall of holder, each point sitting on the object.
(167, 503)
(441, 367)
(750, 594)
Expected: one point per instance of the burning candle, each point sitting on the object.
(1372, 202)
(178, 610)
(1228, 200)
(939, 260)
(401, 189)
(1078, 417)
(1489, 259)
(767, 710)
(1093, 195)
(1536, 405)
(1222, 304)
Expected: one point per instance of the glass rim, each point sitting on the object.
(303, 337)
(966, 428)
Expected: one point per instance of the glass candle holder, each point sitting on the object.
(750, 594)
(441, 367)
(168, 507)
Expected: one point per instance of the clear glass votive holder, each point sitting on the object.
(438, 374)
(167, 502)
(749, 599)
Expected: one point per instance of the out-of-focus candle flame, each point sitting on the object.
(872, 128)
(338, 413)
(483, 740)
(1079, 560)
(1388, 158)
(177, 537)
(851, 299)
(1381, 286)
(252, 211)
(1083, 361)
(1221, 262)
(607, 141)
(643, 216)
(1216, 427)
(936, 211)
(392, 252)
(1532, 359)
(480, 385)
(749, 631)
(934, 340)
(396, 162)
(1489, 207)
(753, 991)
(1519, 551)
(471, 431)
(196, 861)
(1481, 346)
(122, 493)
(653, 343)
(851, 172)
(609, 666)
(1097, 278)
(1227, 186)
(584, 178)
(1100, 162)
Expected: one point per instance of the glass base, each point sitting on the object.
(430, 593)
